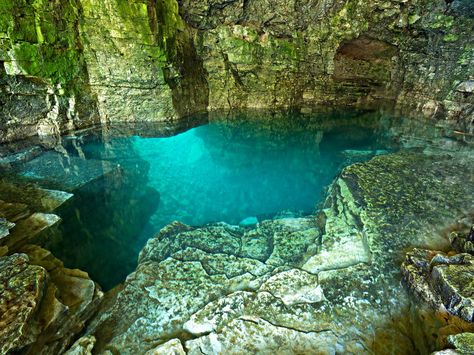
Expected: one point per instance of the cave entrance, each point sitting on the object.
(363, 68)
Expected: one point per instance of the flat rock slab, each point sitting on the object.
(67, 173)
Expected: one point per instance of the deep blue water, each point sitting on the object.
(127, 187)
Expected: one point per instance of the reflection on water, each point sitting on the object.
(128, 185)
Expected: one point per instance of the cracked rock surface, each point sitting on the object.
(292, 285)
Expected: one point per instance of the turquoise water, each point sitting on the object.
(127, 186)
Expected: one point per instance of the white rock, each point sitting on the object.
(171, 347)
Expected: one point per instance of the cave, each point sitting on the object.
(236, 177)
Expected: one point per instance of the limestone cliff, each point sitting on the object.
(71, 63)
(302, 53)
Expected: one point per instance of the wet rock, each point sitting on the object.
(466, 87)
(21, 289)
(463, 343)
(46, 305)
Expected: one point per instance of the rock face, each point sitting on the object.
(43, 79)
(442, 280)
(45, 304)
(68, 64)
(298, 54)
(292, 285)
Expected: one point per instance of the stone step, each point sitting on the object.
(27, 229)
(36, 198)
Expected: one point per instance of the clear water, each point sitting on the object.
(127, 186)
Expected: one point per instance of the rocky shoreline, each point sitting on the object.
(329, 282)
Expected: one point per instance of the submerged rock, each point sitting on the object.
(248, 222)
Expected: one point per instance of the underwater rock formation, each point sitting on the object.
(72, 63)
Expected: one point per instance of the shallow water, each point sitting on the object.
(128, 186)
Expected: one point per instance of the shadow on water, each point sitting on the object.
(102, 222)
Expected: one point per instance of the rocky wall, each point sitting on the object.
(67, 64)
(42, 73)
(414, 54)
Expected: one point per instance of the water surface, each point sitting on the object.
(128, 185)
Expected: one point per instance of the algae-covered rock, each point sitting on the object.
(463, 343)
(455, 285)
